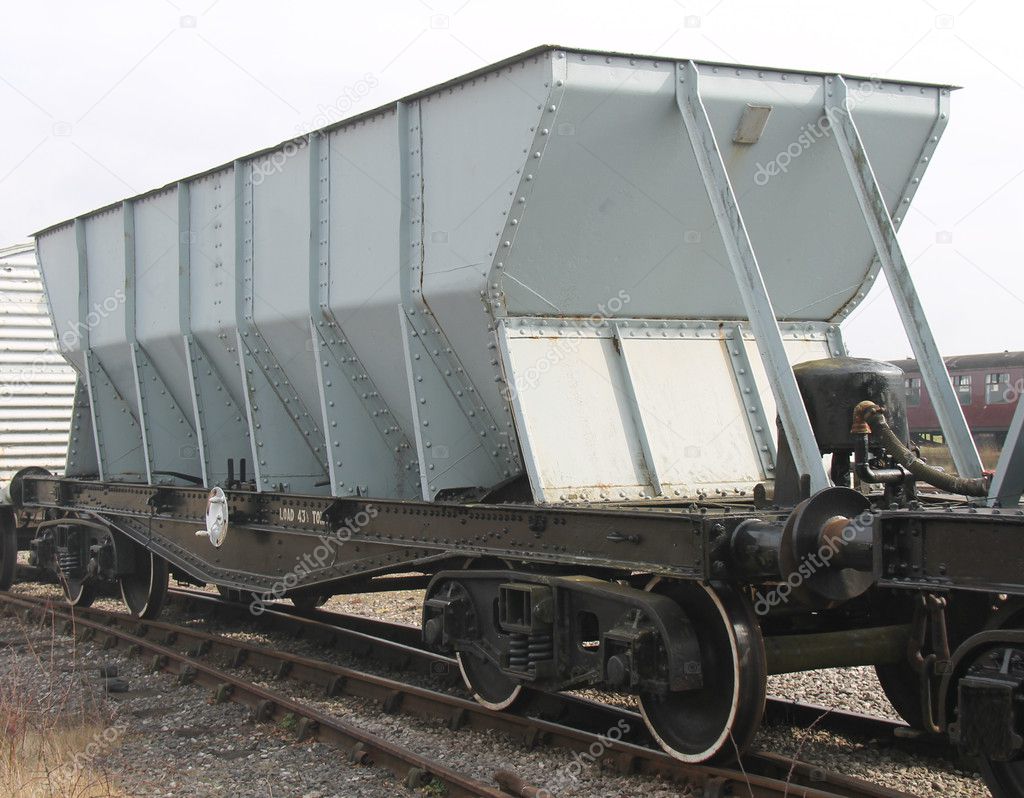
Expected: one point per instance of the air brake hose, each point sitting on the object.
(867, 416)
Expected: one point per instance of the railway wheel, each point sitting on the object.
(718, 721)
(489, 686)
(1005, 779)
(145, 589)
(8, 549)
(78, 592)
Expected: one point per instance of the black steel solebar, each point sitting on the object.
(966, 548)
(366, 536)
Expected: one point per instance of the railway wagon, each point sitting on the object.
(988, 387)
(561, 342)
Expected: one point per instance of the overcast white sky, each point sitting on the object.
(101, 100)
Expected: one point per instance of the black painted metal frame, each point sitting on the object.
(328, 539)
(321, 539)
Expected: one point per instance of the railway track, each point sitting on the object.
(188, 652)
(400, 645)
(112, 631)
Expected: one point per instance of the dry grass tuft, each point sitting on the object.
(53, 734)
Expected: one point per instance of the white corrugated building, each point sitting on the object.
(36, 386)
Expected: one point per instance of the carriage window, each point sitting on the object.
(962, 384)
(913, 386)
(997, 389)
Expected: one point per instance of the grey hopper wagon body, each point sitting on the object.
(525, 337)
(517, 273)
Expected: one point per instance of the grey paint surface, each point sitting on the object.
(347, 311)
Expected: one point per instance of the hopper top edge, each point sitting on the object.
(391, 105)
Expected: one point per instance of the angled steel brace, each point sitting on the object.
(887, 247)
(749, 279)
(118, 443)
(757, 422)
(1008, 482)
(657, 484)
(81, 459)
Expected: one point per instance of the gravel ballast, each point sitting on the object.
(175, 743)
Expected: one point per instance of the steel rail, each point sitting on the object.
(400, 645)
(266, 705)
(760, 774)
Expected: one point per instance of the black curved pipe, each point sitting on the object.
(868, 416)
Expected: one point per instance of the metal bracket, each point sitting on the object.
(336, 357)
(164, 426)
(887, 247)
(834, 339)
(1008, 482)
(757, 421)
(98, 380)
(749, 279)
(214, 407)
(638, 420)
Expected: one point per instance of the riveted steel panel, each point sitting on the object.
(336, 303)
(164, 399)
(654, 403)
(606, 202)
(208, 226)
(364, 287)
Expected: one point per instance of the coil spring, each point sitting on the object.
(68, 562)
(518, 652)
(541, 647)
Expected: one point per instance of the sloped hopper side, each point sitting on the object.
(637, 380)
(517, 272)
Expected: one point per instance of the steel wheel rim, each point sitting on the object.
(474, 677)
(145, 598)
(745, 691)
